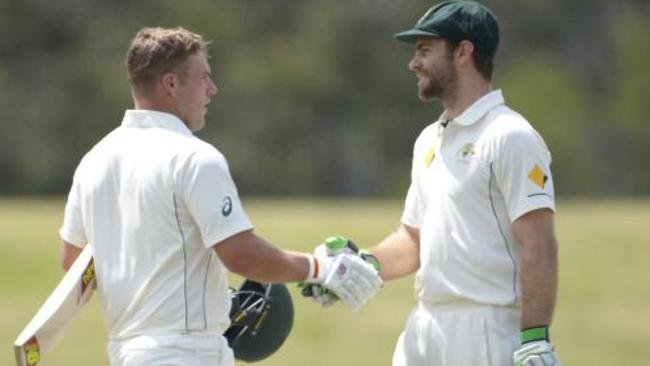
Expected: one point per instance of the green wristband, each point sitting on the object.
(534, 334)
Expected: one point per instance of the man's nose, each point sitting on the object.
(414, 64)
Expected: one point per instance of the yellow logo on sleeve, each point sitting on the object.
(431, 154)
(537, 176)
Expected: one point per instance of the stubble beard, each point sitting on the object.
(442, 82)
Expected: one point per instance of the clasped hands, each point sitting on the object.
(340, 272)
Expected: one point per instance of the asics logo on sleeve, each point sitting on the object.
(227, 206)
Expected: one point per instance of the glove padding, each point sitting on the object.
(540, 353)
(353, 280)
(317, 292)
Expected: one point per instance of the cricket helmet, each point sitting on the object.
(261, 318)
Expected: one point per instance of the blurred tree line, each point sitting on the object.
(315, 96)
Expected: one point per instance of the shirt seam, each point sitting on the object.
(205, 283)
(180, 230)
(503, 236)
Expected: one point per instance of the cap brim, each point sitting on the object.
(412, 35)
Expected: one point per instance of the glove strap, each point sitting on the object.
(534, 334)
(366, 256)
(314, 269)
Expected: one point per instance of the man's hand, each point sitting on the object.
(332, 246)
(536, 350)
(319, 294)
(539, 353)
(353, 280)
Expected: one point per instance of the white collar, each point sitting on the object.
(478, 109)
(144, 118)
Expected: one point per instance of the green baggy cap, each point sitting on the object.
(457, 21)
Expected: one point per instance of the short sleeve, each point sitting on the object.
(412, 211)
(211, 197)
(523, 172)
(72, 230)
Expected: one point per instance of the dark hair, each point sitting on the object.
(483, 62)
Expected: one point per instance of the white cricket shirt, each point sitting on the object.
(152, 199)
(469, 182)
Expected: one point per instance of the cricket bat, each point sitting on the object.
(57, 313)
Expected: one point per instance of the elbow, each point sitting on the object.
(62, 261)
(237, 259)
(67, 261)
(240, 265)
(67, 255)
(239, 253)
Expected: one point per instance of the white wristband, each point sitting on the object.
(314, 269)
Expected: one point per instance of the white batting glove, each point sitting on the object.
(332, 247)
(538, 353)
(319, 267)
(353, 280)
(320, 264)
(317, 292)
(536, 349)
(321, 295)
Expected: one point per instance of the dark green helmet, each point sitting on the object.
(261, 318)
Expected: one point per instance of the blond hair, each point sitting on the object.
(156, 51)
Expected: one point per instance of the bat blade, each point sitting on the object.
(58, 312)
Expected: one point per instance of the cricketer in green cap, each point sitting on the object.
(478, 219)
(456, 21)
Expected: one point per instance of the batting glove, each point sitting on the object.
(319, 268)
(332, 246)
(536, 349)
(319, 294)
(353, 280)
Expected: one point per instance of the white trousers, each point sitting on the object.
(459, 334)
(171, 350)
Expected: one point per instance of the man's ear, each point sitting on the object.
(464, 51)
(170, 83)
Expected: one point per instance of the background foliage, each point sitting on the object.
(316, 99)
(315, 96)
(600, 319)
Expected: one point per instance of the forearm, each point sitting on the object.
(539, 267)
(277, 266)
(254, 258)
(399, 253)
(68, 253)
(539, 278)
(539, 284)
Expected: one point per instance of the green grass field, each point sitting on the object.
(601, 317)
